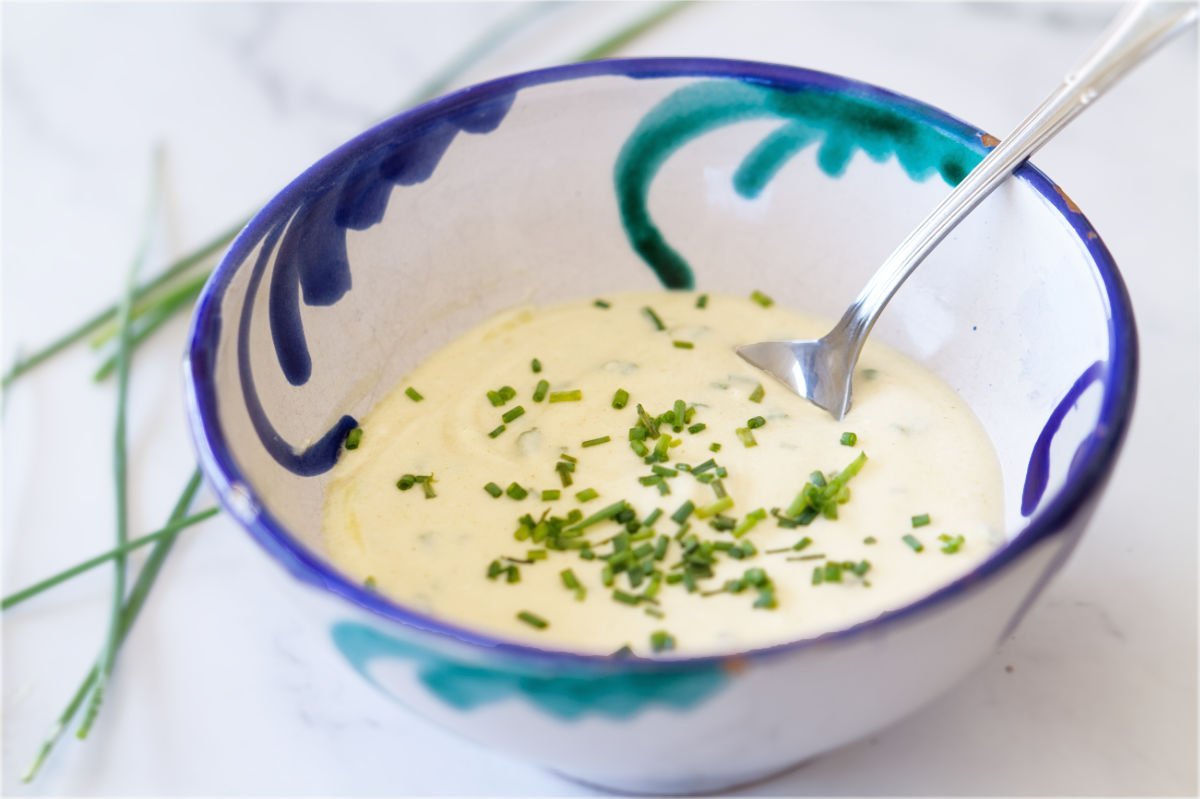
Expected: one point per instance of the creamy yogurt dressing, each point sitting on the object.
(926, 454)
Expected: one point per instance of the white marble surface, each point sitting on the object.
(224, 689)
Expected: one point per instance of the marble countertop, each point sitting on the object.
(224, 689)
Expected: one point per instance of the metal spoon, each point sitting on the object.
(822, 370)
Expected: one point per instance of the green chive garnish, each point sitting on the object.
(754, 423)
(413, 394)
(698, 427)
(497, 431)
(702, 301)
(595, 442)
(720, 506)
(746, 437)
(513, 413)
(849, 439)
(685, 510)
(620, 399)
(662, 641)
(658, 324)
(354, 438)
(494, 490)
(406, 482)
(533, 620)
(758, 393)
(602, 304)
(870, 540)
(714, 447)
(536, 366)
(913, 542)
(515, 491)
(551, 494)
(761, 299)
(586, 494)
(683, 345)
(920, 521)
(600, 516)
(951, 543)
(539, 393)
(575, 395)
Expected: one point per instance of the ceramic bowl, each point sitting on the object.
(620, 175)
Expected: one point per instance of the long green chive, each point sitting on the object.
(587, 495)
(551, 494)
(683, 345)
(654, 319)
(761, 299)
(595, 442)
(513, 413)
(134, 543)
(849, 439)
(497, 431)
(702, 301)
(662, 641)
(920, 521)
(533, 620)
(758, 393)
(746, 437)
(539, 393)
(494, 490)
(354, 438)
(605, 304)
(515, 491)
(536, 366)
(755, 422)
(913, 542)
(575, 395)
(413, 394)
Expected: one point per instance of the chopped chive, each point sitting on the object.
(753, 423)
(746, 437)
(539, 393)
(661, 640)
(595, 442)
(654, 613)
(413, 394)
(658, 324)
(370, 582)
(600, 515)
(861, 568)
(652, 517)
(551, 494)
(602, 304)
(620, 399)
(714, 447)
(951, 543)
(494, 490)
(495, 398)
(587, 494)
(515, 491)
(406, 482)
(513, 575)
(638, 447)
(507, 392)
(495, 569)
(663, 471)
(354, 438)
(849, 439)
(536, 554)
(497, 431)
(536, 366)
(568, 458)
(722, 504)
(761, 299)
(833, 572)
(758, 393)
(626, 598)
(683, 345)
(748, 523)
(913, 542)
(702, 301)
(870, 540)
(698, 427)
(814, 556)
(533, 620)
(513, 413)
(575, 395)
(683, 512)
(679, 415)
(920, 521)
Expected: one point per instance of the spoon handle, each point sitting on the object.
(1136, 32)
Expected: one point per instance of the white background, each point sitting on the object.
(223, 687)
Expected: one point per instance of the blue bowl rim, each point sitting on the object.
(1057, 511)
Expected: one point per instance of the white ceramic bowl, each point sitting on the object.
(590, 179)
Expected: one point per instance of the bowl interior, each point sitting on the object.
(614, 176)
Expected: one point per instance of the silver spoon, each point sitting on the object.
(822, 371)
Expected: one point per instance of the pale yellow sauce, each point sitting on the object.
(927, 454)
